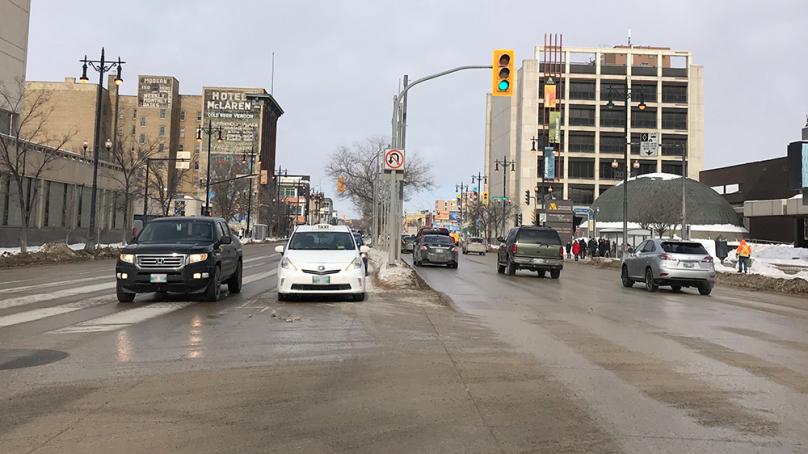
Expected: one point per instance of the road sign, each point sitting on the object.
(183, 155)
(649, 144)
(499, 197)
(264, 177)
(182, 165)
(394, 160)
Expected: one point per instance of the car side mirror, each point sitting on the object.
(500, 239)
(279, 249)
(364, 249)
(226, 239)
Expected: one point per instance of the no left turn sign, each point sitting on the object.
(394, 159)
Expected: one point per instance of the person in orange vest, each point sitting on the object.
(744, 251)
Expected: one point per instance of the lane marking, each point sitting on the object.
(52, 284)
(30, 299)
(263, 257)
(123, 319)
(259, 276)
(45, 312)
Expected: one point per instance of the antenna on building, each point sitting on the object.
(629, 37)
(272, 80)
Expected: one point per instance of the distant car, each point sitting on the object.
(531, 248)
(667, 262)
(474, 245)
(321, 259)
(431, 231)
(361, 242)
(180, 255)
(436, 250)
(407, 243)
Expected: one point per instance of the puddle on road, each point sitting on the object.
(20, 358)
(752, 364)
(658, 379)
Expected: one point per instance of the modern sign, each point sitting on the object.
(393, 160)
(155, 91)
(649, 144)
(238, 117)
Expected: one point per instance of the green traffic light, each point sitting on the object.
(503, 85)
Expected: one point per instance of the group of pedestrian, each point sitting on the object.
(580, 248)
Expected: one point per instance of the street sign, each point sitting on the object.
(181, 165)
(184, 155)
(264, 177)
(649, 144)
(394, 160)
(499, 197)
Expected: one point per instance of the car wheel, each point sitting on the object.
(482, 253)
(650, 285)
(359, 297)
(511, 268)
(676, 288)
(283, 297)
(705, 289)
(234, 283)
(541, 273)
(124, 297)
(555, 274)
(214, 289)
(627, 281)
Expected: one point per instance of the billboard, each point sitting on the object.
(238, 116)
(155, 91)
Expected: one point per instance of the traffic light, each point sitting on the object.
(485, 198)
(502, 73)
(527, 197)
(340, 184)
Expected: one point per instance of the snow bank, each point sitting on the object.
(76, 247)
(765, 259)
(396, 275)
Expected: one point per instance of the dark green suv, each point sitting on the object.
(531, 248)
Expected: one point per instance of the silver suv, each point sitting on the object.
(669, 262)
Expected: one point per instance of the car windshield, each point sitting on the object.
(683, 248)
(438, 240)
(537, 236)
(322, 241)
(181, 231)
(476, 240)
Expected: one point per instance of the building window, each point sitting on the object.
(612, 143)
(142, 139)
(582, 89)
(182, 115)
(198, 115)
(647, 167)
(142, 121)
(161, 147)
(672, 167)
(615, 117)
(162, 113)
(674, 118)
(606, 171)
(162, 130)
(182, 132)
(673, 144)
(582, 116)
(582, 141)
(674, 93)
(134, 114)
(643, 91)
(581, 168)
(180, 147)
(133, 129)
(643, 118)
(582, 194)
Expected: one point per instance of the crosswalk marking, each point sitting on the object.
(29, 299)
(122, 319)
(45, 312)
(6, 291)
(258, 277)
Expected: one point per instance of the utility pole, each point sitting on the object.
(504, 163)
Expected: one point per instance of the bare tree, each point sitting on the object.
(658, 211)
(166, 183)
(21, 153)
(359, 164)
(132, 159)
(487, 219)
(231, 192)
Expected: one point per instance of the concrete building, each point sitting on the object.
(294, 191)
(591, 135)
(14, 22)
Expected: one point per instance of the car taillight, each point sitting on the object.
(561, 252)
(666, 257)
(424, 248)
(708, 259)
(514, 248)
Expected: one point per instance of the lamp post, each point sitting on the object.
(209, 131)
(280, 172)
(479, 179)
(462, 187)
(505, 163)
(102, 66)
(250, 187)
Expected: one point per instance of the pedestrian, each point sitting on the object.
(602, 247)
(576, 249)
(593, 247)
(568, 247)
(582, 244)
(744, 252)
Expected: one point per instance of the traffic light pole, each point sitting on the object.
(398, 141)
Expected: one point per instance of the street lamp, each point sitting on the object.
(101, 66)
(280, 172)
(505, 163)
(209, 131)
(461, 188)
(84, 147)
(250, 188)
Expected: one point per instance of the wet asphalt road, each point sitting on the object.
(665, 371)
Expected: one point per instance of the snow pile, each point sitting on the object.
(397, 275)
(767, 260)
(55, 247)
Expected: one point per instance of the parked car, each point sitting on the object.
(430, 231)
(407, 243)
(321, 259)
(436, 250)
(531, 248)
(182, 255)
(667, 262)
(360, 241)
(475, 245)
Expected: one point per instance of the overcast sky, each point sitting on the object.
(338, 63)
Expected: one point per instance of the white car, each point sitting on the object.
(321, 259)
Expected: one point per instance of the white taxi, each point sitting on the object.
(321, 259)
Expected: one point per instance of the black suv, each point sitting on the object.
(183, 255)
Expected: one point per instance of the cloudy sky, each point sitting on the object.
(338, 63)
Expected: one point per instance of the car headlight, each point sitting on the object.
(355, 264)
(287, 264)
(194, 258)
(128, 258)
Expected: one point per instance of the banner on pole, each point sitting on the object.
(550, 96)
(555, 127)
(549, 163)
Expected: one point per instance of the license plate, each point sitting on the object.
(158, 278)
(321, 279)
(689, 265)
(538, 261)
